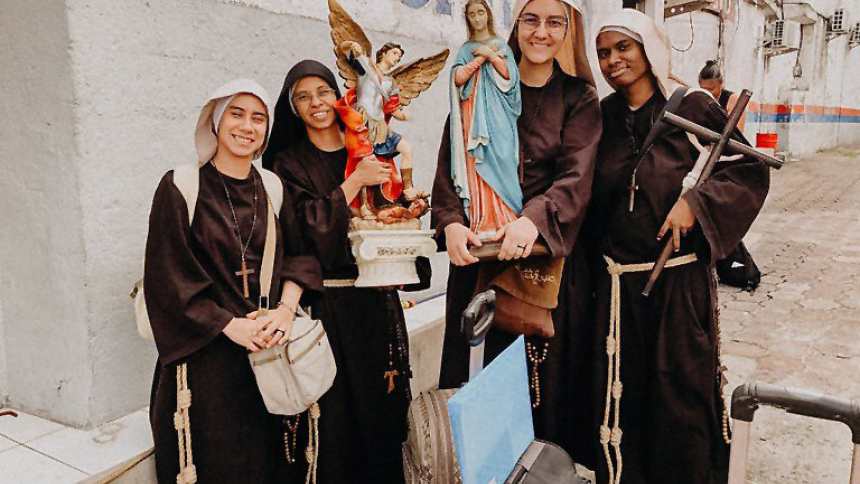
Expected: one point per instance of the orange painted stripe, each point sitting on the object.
(802, 109)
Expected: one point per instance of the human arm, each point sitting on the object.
(726, 204)
(558, 212)
(368, 172)
(181, 296)
(447, 214)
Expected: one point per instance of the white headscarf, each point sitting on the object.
(205, 139)
(218, 112)
(572, 56)
(653, 38)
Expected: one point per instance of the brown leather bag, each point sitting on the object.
(519, 317)
(526, 290)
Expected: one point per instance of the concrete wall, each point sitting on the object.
(106, 95)
(43, 287)
(113, 107)
(828, 67)
(4, 379)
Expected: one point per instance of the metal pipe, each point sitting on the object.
(739, 452)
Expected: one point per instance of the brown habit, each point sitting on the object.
(362, 424)
(192, 293)
(671, 409)
(559, 149)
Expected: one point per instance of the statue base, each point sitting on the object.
(387, 257)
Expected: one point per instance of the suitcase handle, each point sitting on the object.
(747, 398)
(478, 317)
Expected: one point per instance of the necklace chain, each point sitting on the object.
(633, 186)
(242, 246)
(531, 125)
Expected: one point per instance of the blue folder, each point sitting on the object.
(491, 418)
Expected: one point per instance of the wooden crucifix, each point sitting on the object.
(721, 143)
(244, 273)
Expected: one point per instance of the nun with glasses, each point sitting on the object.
(559, 129)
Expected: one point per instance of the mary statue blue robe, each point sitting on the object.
(484, 142)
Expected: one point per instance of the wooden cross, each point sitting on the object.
(244, 273)
(390, 374)
(633, 187)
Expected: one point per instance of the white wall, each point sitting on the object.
(106, 97)
(42, 256)
(830, 70)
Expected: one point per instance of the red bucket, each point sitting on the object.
(766, 140)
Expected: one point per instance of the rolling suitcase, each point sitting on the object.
(429, 456)
(428, 453)
(746, 399)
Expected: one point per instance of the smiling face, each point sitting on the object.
(541, 29)
(313, 99)
(242, 130)
(622, 60)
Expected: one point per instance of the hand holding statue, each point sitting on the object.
(518, 239)
(457, 239)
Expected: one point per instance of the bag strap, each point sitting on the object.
(186, 177)
(274, 188)
(267, 267)
(657, 129)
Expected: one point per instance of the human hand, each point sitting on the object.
(680, 220)
(457, 238)
(519, 239)
(276, 325)
(245, 332)
(371, 171)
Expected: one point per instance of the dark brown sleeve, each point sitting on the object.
(180, 298)
(445, 207)
(728, 202)
(298, 265)
(323, 218)
(558, 212)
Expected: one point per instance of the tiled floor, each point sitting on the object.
(37, 451)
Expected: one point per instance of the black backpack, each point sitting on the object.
(738, 269)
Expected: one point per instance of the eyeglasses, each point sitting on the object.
(322, 93)
(530, 23)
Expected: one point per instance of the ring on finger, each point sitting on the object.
(280, 331)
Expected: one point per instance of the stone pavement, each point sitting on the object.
(801, 327)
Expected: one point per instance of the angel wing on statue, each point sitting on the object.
(378, 91)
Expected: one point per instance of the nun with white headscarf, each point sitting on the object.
(659, 407)
(202, 286)
(559, 130)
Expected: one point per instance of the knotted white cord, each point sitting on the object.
(611, 436)
(182, 423)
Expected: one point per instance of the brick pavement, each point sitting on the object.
(801, 327)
